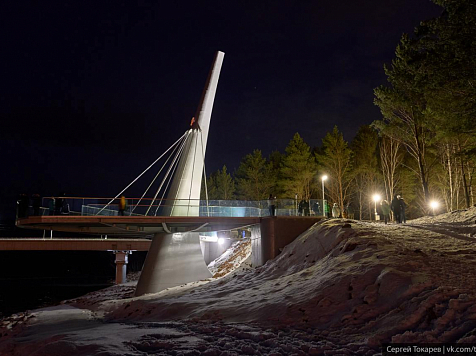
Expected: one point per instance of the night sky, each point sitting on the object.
(92, 92)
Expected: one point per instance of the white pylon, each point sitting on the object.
(184, 194)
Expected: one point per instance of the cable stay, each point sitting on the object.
(173, 160)
(177, 155)
(183, 139)
(168, 175)
(140, 175)
(169, 180)
(204, 174)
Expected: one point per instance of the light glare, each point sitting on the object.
(434, 204)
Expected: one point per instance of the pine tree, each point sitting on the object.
(335, 161)
(224, 184)
(220, 185)
(254, 179)
(403, 107)
(431, 98)
(297, 170)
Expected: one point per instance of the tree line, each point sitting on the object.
(423, 147)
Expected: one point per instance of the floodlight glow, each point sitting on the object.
(434, 204)
(376, 197)
(324, 177)
(221, 241)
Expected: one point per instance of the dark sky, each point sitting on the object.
(92, 92)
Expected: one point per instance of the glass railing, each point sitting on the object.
(148, 207)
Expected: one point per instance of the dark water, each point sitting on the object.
(26, 294)
(34, 279)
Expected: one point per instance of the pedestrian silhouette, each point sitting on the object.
(272, 205)
(36, 203)
(396, 208)
(403, 206)
(301, 206)
(23, 203)
(335, 211)
(59, 203)
(122, 205)
(385, 210)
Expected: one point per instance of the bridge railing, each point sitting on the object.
(87, 206)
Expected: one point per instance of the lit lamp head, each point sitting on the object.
(434, 204)
(376, 197)
(324, 177)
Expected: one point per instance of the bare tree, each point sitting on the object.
(391, 157)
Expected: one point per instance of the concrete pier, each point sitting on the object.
(172, 260)
(273, 233)
(122, 258)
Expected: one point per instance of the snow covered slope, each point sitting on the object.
(342, 286)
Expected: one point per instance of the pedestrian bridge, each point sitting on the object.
(174, 217)
(176, 239)
(146, 217)
(132, 226)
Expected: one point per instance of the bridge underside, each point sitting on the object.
(175, 257)
(129, 226)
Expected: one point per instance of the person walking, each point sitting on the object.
(122, 205)
(317, 208)
(23, 206)
(65, 208)
(271, 205)
(395, 206)
(349, 211)
(403, 206)
(36, 203)
(51, 206)
(335, 211)
(301, 208)
(305, 209)
(59, 203)
(385, 210)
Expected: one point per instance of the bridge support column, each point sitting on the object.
(274, 233)
(122, 258)
(172, 260)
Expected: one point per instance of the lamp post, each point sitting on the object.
(434, 204)
(323, 178)
(376, 198)
(296, 203)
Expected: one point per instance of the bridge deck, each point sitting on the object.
(134, 225)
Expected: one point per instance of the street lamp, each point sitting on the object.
(323, 178)
(433, 205)
(376, 198)
(296, 203)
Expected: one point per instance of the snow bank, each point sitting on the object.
(372, 281)
(341, 287)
